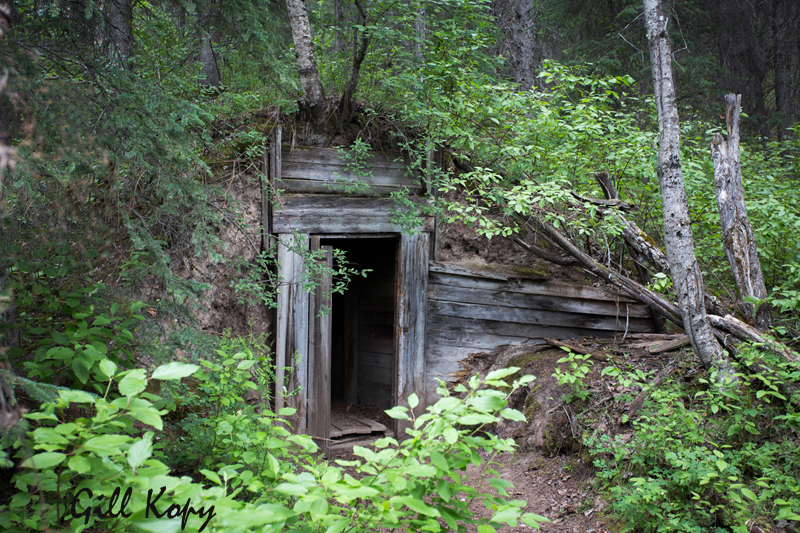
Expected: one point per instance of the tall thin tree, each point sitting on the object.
(685, 271)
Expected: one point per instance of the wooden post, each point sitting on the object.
(292, 331)
(737, 235)
(412, 301)
(319, 351)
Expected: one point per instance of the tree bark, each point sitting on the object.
(118, 15)
(346, 102)
(209, 71)
(779, 57)
(515, 22)
(313, 93)
(685, 271)
(737, 235)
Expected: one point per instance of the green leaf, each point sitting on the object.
(398, 413)
(44, 460)
(149, 416)
(140, 452)
(213, 476)
(502, 373)
(107, 367)
(268, 513)
(473, 419)
(512, 414)
(413, 401)
(76, 396)
(79, 464)
(533, 520)
(749, 494)
(450, 435)
(133, 383)
(106, 445)
(439, 461)
(287, 411)
(486, 529)
(290, 489)
(415, 505)
(80, 370)
(174, 370)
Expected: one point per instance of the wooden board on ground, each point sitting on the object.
(342, 424)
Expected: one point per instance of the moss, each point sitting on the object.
(531, 405)
(539, 271)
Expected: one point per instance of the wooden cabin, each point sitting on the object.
(412, 319)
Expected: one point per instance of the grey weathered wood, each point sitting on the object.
(737, 234)
(470, 326)
(683, 340)
(460, 275)
(291, 350)
(685, 271)
(322, 171)
(335, 214)
(319, 367)
(542, 317)
(411, 305)
(451, 293)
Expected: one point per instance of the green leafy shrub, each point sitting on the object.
(113, 465)
(713, 459)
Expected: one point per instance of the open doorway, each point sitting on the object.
(362, 339)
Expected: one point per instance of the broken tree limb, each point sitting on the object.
(728, 330)
(738, 240)
(538, 252)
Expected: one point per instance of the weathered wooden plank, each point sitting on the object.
(451, 293)
(331, 156)
(501, 282)
(412, 289)
(468, 326)
(292, 329)
(336, 174)
(472, 341)
(337, 214)
(545, 318)
(350, 425)
(683, 340)
(298, 186)
(320, 338)
(374, 426)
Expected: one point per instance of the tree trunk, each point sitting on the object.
(518, 46)
(779, 56)
(359, 53)
(737, 235)
(209, 71)
(118, 15)
(685, 271)
(313, 93)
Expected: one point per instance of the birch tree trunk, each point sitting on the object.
(313, 94)
(737, 235)
(685, 271)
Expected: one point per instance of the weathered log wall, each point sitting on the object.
(471, 311)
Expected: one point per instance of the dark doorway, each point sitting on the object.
(362, 323)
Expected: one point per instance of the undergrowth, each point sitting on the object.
(704, 457)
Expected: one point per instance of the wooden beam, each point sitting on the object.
(411, 305)
(336, 214)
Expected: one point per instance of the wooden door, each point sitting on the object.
(291, 342)
(411, 304)
(319, 338)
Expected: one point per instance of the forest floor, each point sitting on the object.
(552, 470)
